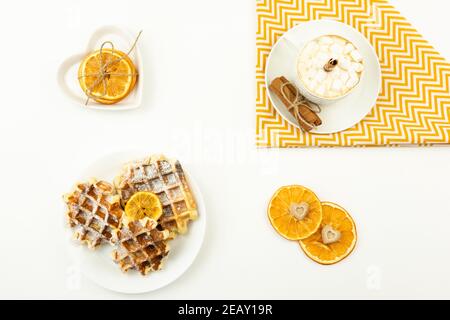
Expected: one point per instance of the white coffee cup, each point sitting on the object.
(333, 72)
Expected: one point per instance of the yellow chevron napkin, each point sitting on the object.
(413, 107)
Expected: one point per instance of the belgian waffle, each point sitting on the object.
(167, 180)
(94, 212)
(140, 245)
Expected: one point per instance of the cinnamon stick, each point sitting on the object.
(288, 99)
(309, 115)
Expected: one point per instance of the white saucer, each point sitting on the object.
(344, 113)
(98, 266)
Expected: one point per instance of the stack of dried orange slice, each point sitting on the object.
(107, 76)
(325, 231)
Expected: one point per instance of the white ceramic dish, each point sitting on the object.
(98, 265)
(343, 113)
(67, 76)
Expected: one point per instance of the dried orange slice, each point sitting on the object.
(143, 204)
(120, 79)
(335, 239)
(295, 212)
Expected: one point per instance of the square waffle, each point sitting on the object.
(94, 212)
(140, 245)
(167, 180)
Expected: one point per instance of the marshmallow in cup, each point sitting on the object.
(329, 68)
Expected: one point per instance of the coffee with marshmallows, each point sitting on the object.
(330, 66)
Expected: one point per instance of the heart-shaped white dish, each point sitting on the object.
(67, 76)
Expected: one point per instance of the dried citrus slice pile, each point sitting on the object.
(143, 204)
(107, 77)
(326, 232)
(335, 239)
(295, 212)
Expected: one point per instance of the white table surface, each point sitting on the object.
(204, 51)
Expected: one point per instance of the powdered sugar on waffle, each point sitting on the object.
(167, 180)
(94, 212)
(141, 246)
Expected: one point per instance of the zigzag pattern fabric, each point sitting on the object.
(414, 103)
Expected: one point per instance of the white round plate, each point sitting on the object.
(344, 113)
(98, 266)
